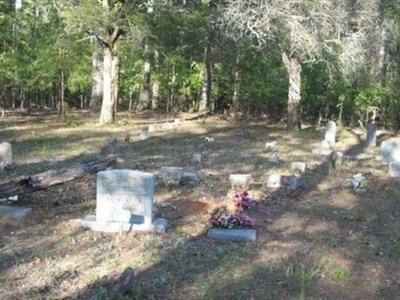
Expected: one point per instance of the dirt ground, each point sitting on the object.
(321, 241)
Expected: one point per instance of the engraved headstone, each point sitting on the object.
(394, 169)
(242, 181)
(330, 133)
(274, 181)
(232, 234)
(282, 181)
(5, 155)
(390, 150)
(124, 202)
(371, 134)
(144, 133)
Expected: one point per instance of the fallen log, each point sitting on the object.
(41, 181)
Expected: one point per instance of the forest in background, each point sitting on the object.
(298, 61)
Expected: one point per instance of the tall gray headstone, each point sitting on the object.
(371, 134)
(330, 133)
(5, 155)
(124, 201)
(390, 150)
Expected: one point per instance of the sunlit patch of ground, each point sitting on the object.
(321, 241)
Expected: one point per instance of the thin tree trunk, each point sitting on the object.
(61, 110)
(115, 79)
(97, 81)
(155, 97)
(144, 99)
(107, 107)
(293, 68)
(172, 89)
(236, 88)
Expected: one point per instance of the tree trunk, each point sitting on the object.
(144, 99)
(97, 81)
(61, 109)
(155, 95)
(293, 68)
(107, 107)
(115, 79)
(236, 89)
(382, 53)
(206, 100)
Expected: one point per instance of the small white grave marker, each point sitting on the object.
(390, 150)
(5, 155)
(299, 166)
(394, 169)
(271, 145)
(196, 158)
(240, 181)
(330, 133)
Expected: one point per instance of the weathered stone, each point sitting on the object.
(394, 169)
(144, 133)
(5, 155)
(232, 234)
(290, 182)
(390, 150)
(322, 151)
(168, 126)
(371, 134)
(209, 139)
(330, 133)
(15, 212)
(172, 175)
(299, 166)
(274, 158)
(242, 181)
(124, 202)
(271, 145)
(190, 177)
(196, 158)
(274, 181)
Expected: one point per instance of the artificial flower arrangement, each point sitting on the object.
(221, 217)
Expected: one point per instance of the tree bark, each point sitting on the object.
(155, 93)
(236, 88)
(97, 81)
(41, 181)
(293, 68)
(107, 107)
(115, 79)
(206, 101)
(144, 99)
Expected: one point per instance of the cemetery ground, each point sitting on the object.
(322, 240)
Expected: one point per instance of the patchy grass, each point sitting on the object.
(321, 241)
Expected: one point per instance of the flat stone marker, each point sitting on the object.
(5, 155)
(394, 169)
(299, 166)
(390, 150)
(15, 212)
(330, 133)
(240, 181)
(196, 158)
(144, 133)
(281, 181)
(321, 151)
(232, 234)
(274, 181)
(371, 134)
(171, 174)
(271, 145)
(124, 202)
(190, 177)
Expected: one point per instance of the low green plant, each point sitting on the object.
(338, 273)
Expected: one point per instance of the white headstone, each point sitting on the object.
(371, 134)
(330, 133)
(240, 180)
(124, 202)
(271, 145)
(390, 150)
(274, 181)
(144, 133)
(5, 155)
(274, 158)
(394, 169)
(299, 166)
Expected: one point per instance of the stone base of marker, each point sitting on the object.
(394, 169)
(281, 181)
(144, 133)
(158, 225)
(232, 234)
(15, 212)
(321, 151)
